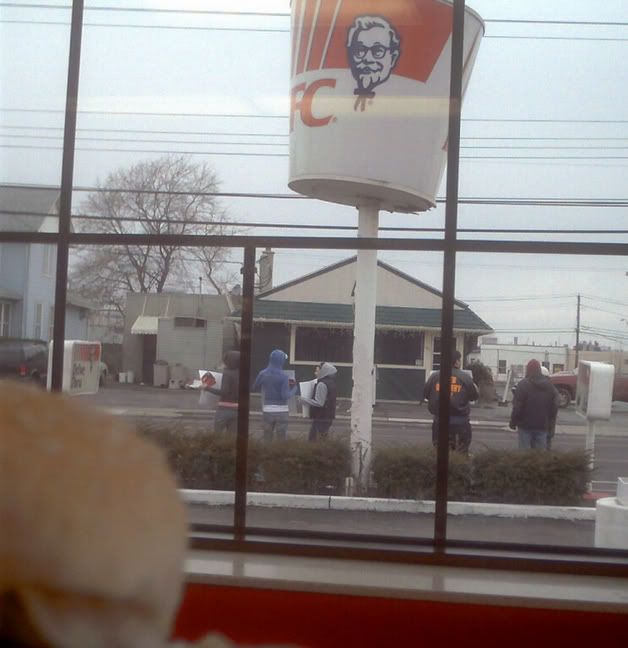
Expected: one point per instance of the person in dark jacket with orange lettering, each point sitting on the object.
(463, 391)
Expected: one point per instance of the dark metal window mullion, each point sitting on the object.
(242, 439)
(449, 272)
(65, 199)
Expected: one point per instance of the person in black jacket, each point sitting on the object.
(534, 408)
(323, 403)
(463, 391)
(226, 416)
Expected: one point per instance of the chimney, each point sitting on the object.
(266, 270)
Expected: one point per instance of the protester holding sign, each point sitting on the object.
(276, 389)
(226, 416)
(323, 403)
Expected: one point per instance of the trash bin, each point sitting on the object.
(130, 377)
(178, 376)
(161, 374)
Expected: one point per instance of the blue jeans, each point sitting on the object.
(275, 423)
(529, 439)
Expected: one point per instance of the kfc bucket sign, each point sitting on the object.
(370, 96)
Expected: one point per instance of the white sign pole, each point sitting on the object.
(590, 448)
(363, 349)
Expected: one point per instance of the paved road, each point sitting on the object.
(397, 424)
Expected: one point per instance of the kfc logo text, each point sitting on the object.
(301, 99)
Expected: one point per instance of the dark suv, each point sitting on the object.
(24, 359)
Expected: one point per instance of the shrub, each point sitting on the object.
(410, 473)
(297, 466)
(531, 477)
(204, 460)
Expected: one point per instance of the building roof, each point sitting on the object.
(73, 299)
(24, 209)
(342, 314)
(353, 259)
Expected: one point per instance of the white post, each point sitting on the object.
(363, 350)
(590, 447)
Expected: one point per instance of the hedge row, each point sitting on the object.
(207, 461)
(506, 476)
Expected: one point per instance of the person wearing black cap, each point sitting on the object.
(534, 408)
(463, 391)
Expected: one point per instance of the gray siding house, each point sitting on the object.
(27, 271)
(188, 332)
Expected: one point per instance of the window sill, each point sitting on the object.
(408, 581)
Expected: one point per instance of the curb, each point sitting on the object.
(381, 505)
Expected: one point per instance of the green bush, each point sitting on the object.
(410, 473)
(204, 460)
(531, 477)
(201, 460)
(297, 466)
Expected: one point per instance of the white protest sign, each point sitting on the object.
(208, 379)
(306, 390)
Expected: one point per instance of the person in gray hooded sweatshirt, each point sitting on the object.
(534, 408)
(323, 401)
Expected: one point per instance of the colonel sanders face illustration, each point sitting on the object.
(373, 46)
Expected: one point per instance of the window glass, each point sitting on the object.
(156, 346)
(33, 65)
(529, 454)
(304, 443)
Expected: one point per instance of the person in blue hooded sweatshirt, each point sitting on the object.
(276, 390)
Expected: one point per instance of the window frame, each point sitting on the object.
(437, 550)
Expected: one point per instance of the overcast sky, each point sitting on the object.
(573, 76)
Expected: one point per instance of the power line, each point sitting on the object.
(517, 299)
(166, 27)
(284, 155)
(220, 12)
(284, 144)
(281, 30)
(286, 116)
(470, 200)
(129, 219)
(606, 300)
(258, 134)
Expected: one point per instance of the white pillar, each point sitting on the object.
(590, 448)
(363, 350)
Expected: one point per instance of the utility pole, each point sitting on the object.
(577, 332)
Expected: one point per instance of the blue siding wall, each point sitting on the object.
(41, 290)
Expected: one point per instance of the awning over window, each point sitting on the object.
(145, 325)
(5, 293)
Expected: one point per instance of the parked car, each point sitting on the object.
(565, 383)
(24, 359)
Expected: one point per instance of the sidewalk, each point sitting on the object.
(526, 531)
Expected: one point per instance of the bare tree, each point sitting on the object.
(168, 195)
